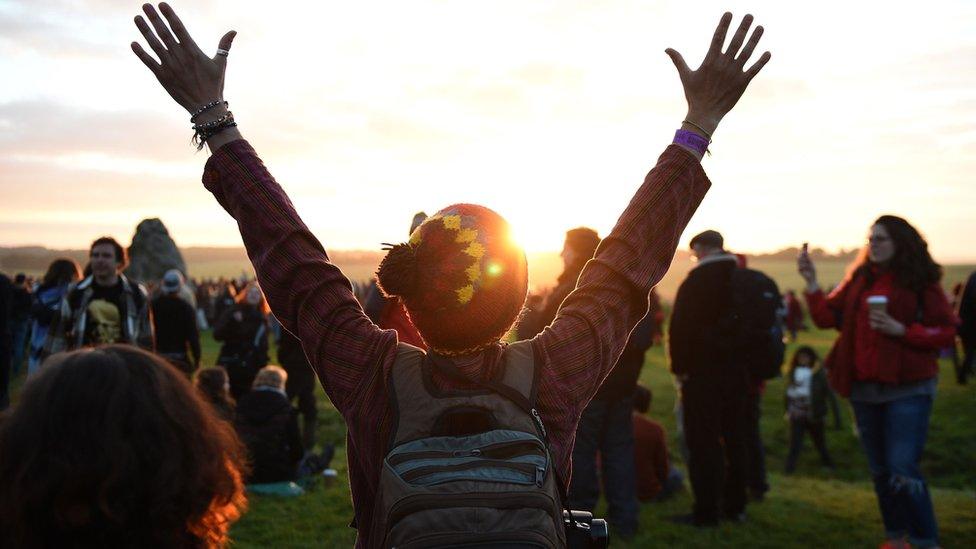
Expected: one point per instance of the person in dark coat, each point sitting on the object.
(300, 383)
(6, 296)
(714, 386)
(540, 310)
(606, 428)
(243, 329)
(268, 426)
(20, 306)
(967, 329)
(175, 321)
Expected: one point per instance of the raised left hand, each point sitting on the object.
(884, 323)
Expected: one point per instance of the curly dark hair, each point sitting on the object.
(112, 447)
(912, 263)
(795, 361)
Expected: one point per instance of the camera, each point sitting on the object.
(585, 532)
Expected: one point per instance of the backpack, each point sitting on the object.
(491, 482)
(753, 324)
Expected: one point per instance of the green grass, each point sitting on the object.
(812, 508)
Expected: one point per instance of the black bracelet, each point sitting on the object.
(206, 108)
(202, 134)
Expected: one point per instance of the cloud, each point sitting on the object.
(44, 127)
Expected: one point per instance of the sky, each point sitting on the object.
(550, 112)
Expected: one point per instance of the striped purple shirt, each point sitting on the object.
(352, 357)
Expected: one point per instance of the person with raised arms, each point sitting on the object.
(471, 441)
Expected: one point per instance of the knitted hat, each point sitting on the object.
(461, 277)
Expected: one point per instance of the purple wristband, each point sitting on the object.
(691, 140)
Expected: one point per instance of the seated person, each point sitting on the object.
(656, 478)
(268, 425)
(214, 387)
(112, 447)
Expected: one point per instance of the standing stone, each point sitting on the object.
(153, 252)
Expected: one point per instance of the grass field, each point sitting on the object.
(812, 508)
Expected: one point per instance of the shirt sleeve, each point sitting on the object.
(824, 308)
(308, 294)
(592, 325)
(937, 328)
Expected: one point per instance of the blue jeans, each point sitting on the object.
(606, 427)
(893, 434)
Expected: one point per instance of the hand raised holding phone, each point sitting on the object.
(806, 268)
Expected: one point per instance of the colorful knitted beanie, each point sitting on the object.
(461, 277)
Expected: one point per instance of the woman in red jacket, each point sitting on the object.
(893, 318)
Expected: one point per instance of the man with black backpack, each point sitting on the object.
(722, 335)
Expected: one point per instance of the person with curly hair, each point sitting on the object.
(112, 447)
(893, 318)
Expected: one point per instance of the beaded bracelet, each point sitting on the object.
(214, 123)
(206, 108)
(203, 132)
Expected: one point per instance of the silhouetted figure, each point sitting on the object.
(175, 321)
(300, 384)
(46, 305)
(243, 329)
(268, 425)
(213, 385)
(714, 385)
(967, 329)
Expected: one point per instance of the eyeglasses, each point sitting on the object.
(877, 239)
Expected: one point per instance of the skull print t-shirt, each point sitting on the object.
(104, 315)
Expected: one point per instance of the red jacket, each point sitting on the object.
(863, 354)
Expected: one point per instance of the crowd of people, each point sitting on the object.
(456, 435)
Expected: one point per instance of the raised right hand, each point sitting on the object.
(806, 268)
(189, 76)
(715, 87)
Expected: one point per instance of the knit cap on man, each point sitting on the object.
(461, 277)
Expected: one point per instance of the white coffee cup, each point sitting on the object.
(878, 302)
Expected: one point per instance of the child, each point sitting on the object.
(806, 405)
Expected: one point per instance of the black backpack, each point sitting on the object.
(753, 324)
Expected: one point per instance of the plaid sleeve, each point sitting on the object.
(591, 328)
(308, 294)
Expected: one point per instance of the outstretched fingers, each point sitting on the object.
(161, 29)
(754, 70)
(739, 36)
(718, 39)
(147, 59)
(746, 52)
(151, 39)
(177, 25)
